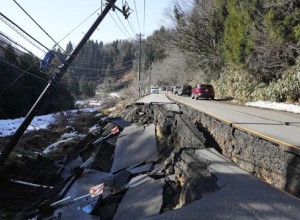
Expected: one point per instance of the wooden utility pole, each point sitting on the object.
(54, 80)
(139, 65)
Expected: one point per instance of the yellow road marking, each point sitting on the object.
(247, 129)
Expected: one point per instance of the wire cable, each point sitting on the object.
(131, 27)
(137, 17)
(123, 24)
(38, 25)
(28, 51)
(118, 26)
(9, 23)
(79, 25)
(93, 69)
(31, 74)
(144, 17)
(130, 18)
(33, 56)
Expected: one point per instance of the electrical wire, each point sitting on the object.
(23, 53)
(118, 25)
(15, 43)
(2, 18)
(97, 79)
(132, 23)
(131, 27)
(79, 25)
(38, 25)
(31, 74)
(93, 69)
(144, 17)
(11, 84)
(24, 31)
(73, 67)
(137, 17)
(123, 24)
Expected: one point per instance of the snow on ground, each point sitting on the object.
(90, 102)
(114, 94)
(72, 134)
(66, 138)
(9, 126)
(55, 145)
(94, 128)
(274, 105)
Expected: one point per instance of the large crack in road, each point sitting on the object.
(187, 170)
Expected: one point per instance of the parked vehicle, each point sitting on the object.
(203, 91)
(185, 90)
(176, 88)
(154, 90)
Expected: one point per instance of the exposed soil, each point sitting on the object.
(187, 177)
(27, 163)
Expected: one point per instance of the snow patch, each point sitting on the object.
(114, 94)
(72, 134)
(9, 126)
(275, 105)
(94, 128)
(90, 102)
(55, 145)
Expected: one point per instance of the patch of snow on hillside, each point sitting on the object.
(72, 134)
(114, 94)
(9, 126)
(90, 102)
(55, 145)
(275, 105)
(94, 128)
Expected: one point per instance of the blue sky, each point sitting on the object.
(59, 17)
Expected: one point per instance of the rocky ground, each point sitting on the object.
(187, 178)
(178, 134)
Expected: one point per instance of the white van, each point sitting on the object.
(154, 90)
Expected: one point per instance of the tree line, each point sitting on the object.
(22, 80)
(248, 49)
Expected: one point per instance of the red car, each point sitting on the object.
(203, 91)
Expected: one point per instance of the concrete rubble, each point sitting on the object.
(162, 161)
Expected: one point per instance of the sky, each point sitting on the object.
(59, 17)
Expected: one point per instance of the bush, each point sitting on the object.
(237, 84)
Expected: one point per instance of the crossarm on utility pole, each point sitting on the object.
(58, 74)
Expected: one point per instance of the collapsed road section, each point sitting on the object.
(156, 161)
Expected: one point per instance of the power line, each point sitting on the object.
(132, 23)
(137, 17)
(79, 25)
(10, 85)
(24, 31)
(31, 74)
(97, 79)
(74, 67)
(2, 17)
(38, 25)
(144, 17)
(131, 27)
(123, 24)
(28, 51)
(94, 69)
(24, 53)
(119, 26)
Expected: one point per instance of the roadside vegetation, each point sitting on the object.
(249, 50)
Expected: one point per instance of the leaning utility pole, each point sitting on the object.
(54, 80)
(139, 65)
